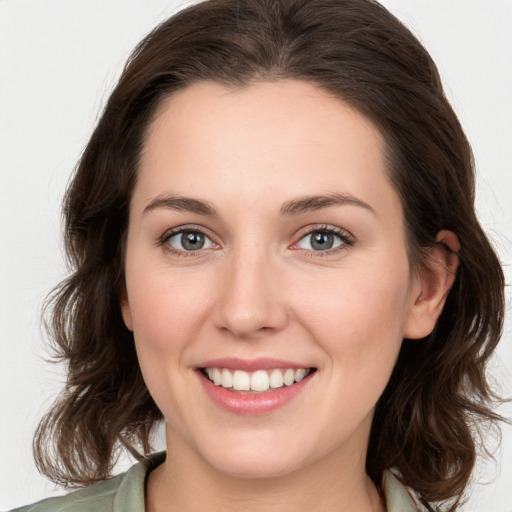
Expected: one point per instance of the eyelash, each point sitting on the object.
(346, 238)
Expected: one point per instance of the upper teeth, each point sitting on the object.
(260, 380)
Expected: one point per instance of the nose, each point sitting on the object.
(252, 302)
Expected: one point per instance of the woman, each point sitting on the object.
(301, 343)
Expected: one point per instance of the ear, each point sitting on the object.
(432, 286)
(125, 308)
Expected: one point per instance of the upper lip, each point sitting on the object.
(250, 365)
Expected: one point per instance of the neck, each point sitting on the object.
(186, 483)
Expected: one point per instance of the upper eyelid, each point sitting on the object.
(307, 230)
(184, 229)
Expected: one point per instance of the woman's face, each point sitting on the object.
(266, 244)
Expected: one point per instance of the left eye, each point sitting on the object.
(320, 241)
(189, 241)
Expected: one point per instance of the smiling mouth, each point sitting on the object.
(259, 381)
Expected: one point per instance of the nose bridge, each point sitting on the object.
(251, 302)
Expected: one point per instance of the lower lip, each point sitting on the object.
(249, 403)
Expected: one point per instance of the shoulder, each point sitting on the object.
(123, 493)
(98, 497)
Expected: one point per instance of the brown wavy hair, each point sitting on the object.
(425, 422)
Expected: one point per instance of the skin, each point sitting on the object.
(259, 289)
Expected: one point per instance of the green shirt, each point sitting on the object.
(125, 493)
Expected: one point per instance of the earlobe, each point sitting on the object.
(125, 309)
(433, 286)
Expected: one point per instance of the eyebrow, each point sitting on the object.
(293, 207)
(181, 203)
(312, 203)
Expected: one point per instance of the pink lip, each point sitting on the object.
(250, 365)
(251, 403)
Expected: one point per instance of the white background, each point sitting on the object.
(58, 61)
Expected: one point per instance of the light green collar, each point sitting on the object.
(400, 498)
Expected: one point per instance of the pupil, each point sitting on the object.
(322, 241)
(192, 241)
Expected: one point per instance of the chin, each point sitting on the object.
(256, 468)
(250, 460)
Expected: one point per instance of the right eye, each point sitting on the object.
(188, 240)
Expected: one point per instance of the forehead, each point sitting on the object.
(288, 135)
(295, 108)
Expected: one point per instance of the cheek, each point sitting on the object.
(359, 321)
(359, 325)
(165, 304)
(165, 310)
